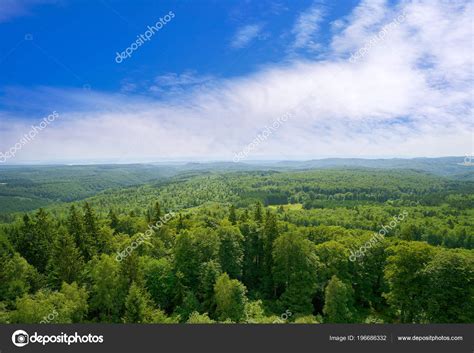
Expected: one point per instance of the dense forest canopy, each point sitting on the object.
(203, 245)
(26, 188)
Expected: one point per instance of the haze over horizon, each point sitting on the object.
(461, 160)
(369, 78)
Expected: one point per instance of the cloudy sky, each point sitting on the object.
(367, 78)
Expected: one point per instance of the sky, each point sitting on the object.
(148, 81)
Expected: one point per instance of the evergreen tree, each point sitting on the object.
(155, 213)
(66, 262)
(75, 225)
(180, 225)
(130, 269)
(22, 239)
(113, 220)
(231, 251)
(186, 259)
(137, 305)
(232, 215)
(210, 271)
(244, 217)
(270, 233)
(258, 213)
(91, 231)
(253, 255)
(35, 238)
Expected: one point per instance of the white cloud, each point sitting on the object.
(306, 28)
(245, 35)
(175, 83)
(14, 8)
(168, 84)
(411, 95)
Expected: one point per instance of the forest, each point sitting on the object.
(140, 244)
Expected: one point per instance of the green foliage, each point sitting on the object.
(230, 299)
(69, 305)
(188, 305)
(155, 213)
(66, 262)
(107, 288)
(196, 318)
(17, 278)
(406, 280)
(232, 215)
(308, 319)
(137, 305)
(450, 280)
(295, 272)
(210, 272)
(159, 281)
(254, 312)
(34, 237)
(231, 253)
(270, 233)
(284, 239)
(338, 300)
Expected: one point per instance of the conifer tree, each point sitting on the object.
(137, 305)
(66, 261)
(270, 233)
(155, 213)
(258, 213)
(91, 229)
(232, 215)
(113, 219)
(231, 252)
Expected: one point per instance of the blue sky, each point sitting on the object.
(75, 42)
(386, 78)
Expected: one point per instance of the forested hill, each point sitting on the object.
(453, 167)
(203, 246)
(246, 247)
(311, 189)
(24, 188)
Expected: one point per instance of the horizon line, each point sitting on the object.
(215, 161)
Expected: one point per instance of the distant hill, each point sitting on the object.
(24, 188)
